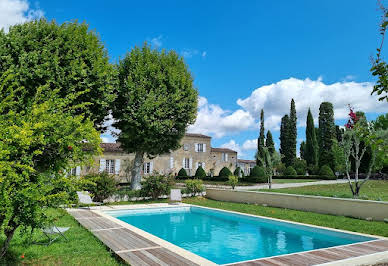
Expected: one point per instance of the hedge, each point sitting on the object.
(304, 177)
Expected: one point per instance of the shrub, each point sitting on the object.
(225, 172)
(300, 166)
(281, 169)
(200, 173)
(238, 172)
(194, 186)
(290, 171)
(155, 186)
(257, 175)
(182, 174)
(313, 169)
(101, 186)
(327, 172)
(233, 180)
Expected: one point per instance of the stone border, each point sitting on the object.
(364, 209)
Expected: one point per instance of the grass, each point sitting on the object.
(275, 181)
(371, 190)
(284, 181)
(81, 249)
(338, 222)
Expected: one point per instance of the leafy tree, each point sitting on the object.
(326, 171)
(293, 131)
(232, 181)
(200, 173)
(67, 57)
(302, 150)
(380, 67)
(269, 143)
(225, 172)
(339, 132)
(261, 139)
(155, 103)
(269, 162)
(37, 144)
(381, 122)
(300, 166)
(284, 137)
(102, 186)
(290, 171)
(338, 156)
(327, 134)
(311, 150)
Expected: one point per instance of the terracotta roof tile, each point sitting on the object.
(111, 147)
(246, 161)
(196, 135)
(222, 150)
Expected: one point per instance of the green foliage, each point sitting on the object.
(258, 174)
(233, 180)
(338, 157)
(290, 171)
(182, 174)
(327, 134)
(67, 57)
(302, 150)
(260, 140)
(238, 172)
(288, 136)
(194, 186)
(292, 132)
(155, 186)
(200, 173)
(269, 143)
(156, 101)
(104, 186)
(381, 122)
(313, 169)
(311, 149)
(300, 166)
(225, 172)
(38, 142)
(326, 171)
(281, 168)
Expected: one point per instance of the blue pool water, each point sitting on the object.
(224, 237)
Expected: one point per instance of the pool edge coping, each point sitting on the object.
(203, 261)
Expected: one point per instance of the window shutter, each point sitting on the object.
(196, 147)
(171, 162)
(78, 171)
(183, 163)
(191, 163)
(117, 166)
(226, 157)
(151, 167)
(204, 147)
(102, 165)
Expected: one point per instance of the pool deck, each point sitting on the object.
(137, 247)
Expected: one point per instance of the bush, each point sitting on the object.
(182, 174)
(194, 186)
(281, 168)
(233, 180)
(327, 172)
(225, 172)
(200, 173)
(101, 186)
(155, 186)
(300, 166)
(290, 171)
(257, 175)
(238, 172)
(313, 169)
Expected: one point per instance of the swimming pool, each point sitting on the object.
(224, 237)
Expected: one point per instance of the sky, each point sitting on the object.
(243, 55)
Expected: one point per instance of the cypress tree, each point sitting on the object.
(311, 151)
(303, 150)
(261, 139)
(327, 134)
(284, 137)
(293, 131)
(269, 143)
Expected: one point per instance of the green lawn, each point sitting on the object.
(81, 249)
(371, 190)
(284, 181)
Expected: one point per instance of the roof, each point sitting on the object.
(246, 161)
(111, 147)
(222, 150)
(195, 135)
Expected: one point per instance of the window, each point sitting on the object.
(186, 163)
(147, 168)
(200, 147)
(186, 147)
(110, 166)
(224, 157)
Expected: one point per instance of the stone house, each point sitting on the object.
(195, 151)
(246, 165)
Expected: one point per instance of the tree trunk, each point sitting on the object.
(270, 182)
(9, 234)
(136, 170)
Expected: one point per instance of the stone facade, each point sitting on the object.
(246, 165)
(195, 150)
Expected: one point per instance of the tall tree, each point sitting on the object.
(67, 57)
(327, 134)
(284, 140)
(293, 130)
(302, 150)
(155, 103)
(269, 143)
(311, 151)
(261, 139)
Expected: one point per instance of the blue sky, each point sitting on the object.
(246, 55)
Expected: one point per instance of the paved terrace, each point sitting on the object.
(136, 249)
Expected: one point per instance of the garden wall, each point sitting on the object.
(345, 207)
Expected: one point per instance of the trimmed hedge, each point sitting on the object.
(326, 171)
(290, 171)
(303, 177)
(200, 173)
(225, 172)
(182, 174)
(237, 172)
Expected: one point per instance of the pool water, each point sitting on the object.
(224, 237)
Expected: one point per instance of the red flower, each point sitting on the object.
(70, 148)
(22, 256)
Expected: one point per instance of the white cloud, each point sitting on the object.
(250, 144)
(157, 41)
(204, 53)
(275, 99)
(17, 11)
(189, 53)
(233, 146)
(212, 119)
